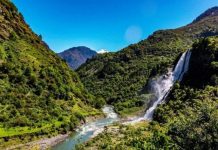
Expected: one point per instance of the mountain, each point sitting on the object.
(76, 56)
(122, 78)
(39, 94)
(187, 120)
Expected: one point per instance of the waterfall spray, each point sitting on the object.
(163, 85)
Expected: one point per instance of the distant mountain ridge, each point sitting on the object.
(76, 56)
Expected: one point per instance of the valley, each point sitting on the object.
(159, 93)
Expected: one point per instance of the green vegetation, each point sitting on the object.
(121, 78)
(189, 118)
(141, 136)
(39, 94)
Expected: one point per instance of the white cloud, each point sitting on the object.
(102, 51)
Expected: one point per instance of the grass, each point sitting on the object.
(88, 111)
(133, 111)
(8, 132)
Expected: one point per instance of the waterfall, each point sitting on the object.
(163, 84)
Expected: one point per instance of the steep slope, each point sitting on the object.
(189, 118)
(122, 78)
(77, 56)
(39, 94)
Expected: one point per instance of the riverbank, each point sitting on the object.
(42, 144)
(48, 142)
(118, 137)
(89, 130)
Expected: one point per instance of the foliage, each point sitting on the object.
(141, 136)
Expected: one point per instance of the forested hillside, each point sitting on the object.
(39, 93)
(188, 119)
(121, 78)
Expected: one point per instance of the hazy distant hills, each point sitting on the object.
(76, 56)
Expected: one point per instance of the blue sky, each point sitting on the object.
(106, 24)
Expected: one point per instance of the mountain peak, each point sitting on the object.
(80, 47)
(76, 56)
(208, 13)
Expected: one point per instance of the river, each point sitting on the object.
(89, 130)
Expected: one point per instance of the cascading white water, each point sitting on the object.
(161, 86)
(94, 127)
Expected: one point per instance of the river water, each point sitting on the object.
(87, 131)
